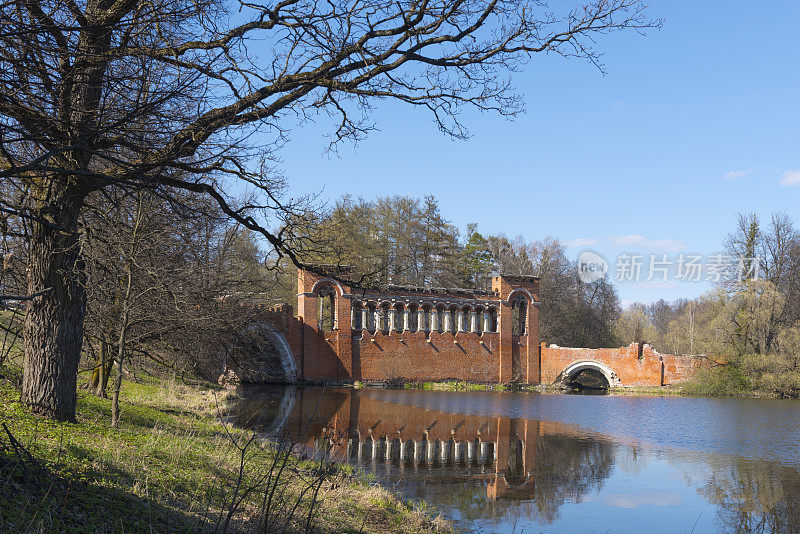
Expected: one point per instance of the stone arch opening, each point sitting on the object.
(372, 321)
(399, 314)
(427, 318)
(327, 307)
(440, 326)
(589, 375)
(384, 317)
(453, 326)
(463, 319)
(413, 318)
(492, 319)
(519, 315)
(357, 316)
(480, 314)
(259, 353)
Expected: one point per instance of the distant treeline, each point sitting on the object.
(750, 327)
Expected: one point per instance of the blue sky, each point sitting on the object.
(691, 124)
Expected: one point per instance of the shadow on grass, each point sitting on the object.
(34, 499)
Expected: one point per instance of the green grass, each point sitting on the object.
(455, 385)
(168, 467)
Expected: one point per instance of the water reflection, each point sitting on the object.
(755, 496)
(496, 472)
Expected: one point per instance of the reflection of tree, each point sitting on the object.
(756, 497)
(567, 469)
(257, 409)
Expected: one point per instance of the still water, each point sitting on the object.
(529, 462)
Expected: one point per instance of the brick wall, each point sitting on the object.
(347, 353)
(632, 366)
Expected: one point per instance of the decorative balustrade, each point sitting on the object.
(387, 317)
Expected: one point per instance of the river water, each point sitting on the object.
(530, 462)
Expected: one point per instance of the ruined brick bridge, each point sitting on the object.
(343, 334)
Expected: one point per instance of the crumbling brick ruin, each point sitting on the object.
(347, 334)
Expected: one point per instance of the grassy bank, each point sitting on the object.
(542, 388)
(454, 385)
(171, 466)
(732, 381)
(705, 384)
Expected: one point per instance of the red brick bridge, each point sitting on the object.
(345, 334)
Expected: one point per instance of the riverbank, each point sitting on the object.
(691, 388)
(172, 466)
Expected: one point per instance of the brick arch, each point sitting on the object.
(519, 292)
(319, 284)
(575, 368)
(285, 354)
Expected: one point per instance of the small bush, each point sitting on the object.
(721, 381)
(777, 373)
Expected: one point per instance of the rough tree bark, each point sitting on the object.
(53, 330)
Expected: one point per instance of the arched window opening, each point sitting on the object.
(492, 320)
(371, 322)
(327, 308)
(454, 313)
(479, 315)
(427, 319)
(440, 320)
(519, 310)
(399, 313)
(412, 320)
(466, 319)
(385, 307)
(357, 316)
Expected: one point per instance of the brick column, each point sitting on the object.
(344, 336)
(530, 438)
(533, 353)
(504, 327)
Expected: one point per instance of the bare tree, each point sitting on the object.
(168, 286)
(167, 94)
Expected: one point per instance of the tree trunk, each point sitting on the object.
(54, 325)
(115, 395)
(118, 382)
(106, 365)
(123, 334)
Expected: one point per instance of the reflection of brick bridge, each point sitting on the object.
(394, 430)
(344, 334)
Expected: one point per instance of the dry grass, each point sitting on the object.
(170, 467)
